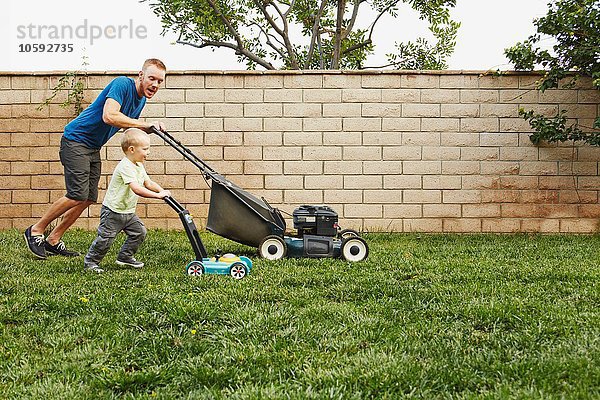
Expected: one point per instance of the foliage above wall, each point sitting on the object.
(575, 25)
(308, 34)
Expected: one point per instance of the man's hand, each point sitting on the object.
(156, 124)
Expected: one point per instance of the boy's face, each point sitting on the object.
(140, 151)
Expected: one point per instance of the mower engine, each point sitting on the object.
(318, 236)
(315, 220)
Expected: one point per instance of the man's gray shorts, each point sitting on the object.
(82, 169)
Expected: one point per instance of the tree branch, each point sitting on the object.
(227, 23)
(335, 59)
(271, 44)
(238, 51)
(385, 10)
(353, 19)
(357, 46)
(321, 59)
(208, 43)
(290, 6)
(281, 14)
(315, 32)
(286, 33)
(283, 33)
(268, 34)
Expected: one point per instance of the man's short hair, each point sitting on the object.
(132, 137)
(154, 61)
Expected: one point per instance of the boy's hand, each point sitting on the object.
(164, 194)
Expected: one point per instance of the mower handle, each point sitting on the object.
(185, 152)
(173, 203)
(189, 227)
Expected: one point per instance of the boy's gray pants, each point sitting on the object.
(111, 223)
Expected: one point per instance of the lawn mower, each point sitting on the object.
(242, 217)
(227, 264)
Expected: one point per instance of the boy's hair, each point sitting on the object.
(131, 137)
(154, 61)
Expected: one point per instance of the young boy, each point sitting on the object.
(118, 208)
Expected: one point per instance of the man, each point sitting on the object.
(118, 106)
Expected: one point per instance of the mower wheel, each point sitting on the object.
(347, 233)
(238, 270)
(195, 268)
(272, 248)
(354, 249)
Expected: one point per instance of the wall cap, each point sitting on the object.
(288, 72)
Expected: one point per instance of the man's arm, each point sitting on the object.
(112, 115)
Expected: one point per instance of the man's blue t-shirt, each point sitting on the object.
(89, 128)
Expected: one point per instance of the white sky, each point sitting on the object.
(488, 27)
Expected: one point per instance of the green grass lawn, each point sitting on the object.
(440, 316)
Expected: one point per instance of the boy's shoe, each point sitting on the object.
(130, 262)
(59, 249)
(35, 244)
(91, 267)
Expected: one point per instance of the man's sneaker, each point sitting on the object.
(130, 262)
(93, 268)
(35, 243)
(59, 249)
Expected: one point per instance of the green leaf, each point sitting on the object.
(575, 26)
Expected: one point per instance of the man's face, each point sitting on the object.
(150, 80)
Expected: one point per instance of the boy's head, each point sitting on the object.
(135, 144)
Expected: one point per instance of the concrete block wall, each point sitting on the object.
(392, 151)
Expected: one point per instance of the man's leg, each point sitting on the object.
(82, 174)
(53, 240)
(58, 208)
(34, 235)
(82, 171)
(68, 219)
(52, 245)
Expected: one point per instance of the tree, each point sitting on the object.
(575, 26)
(306, 34)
